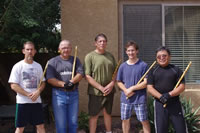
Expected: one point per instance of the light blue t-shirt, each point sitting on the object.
(129, 75)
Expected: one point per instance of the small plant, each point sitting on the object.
(83, 121)
(151, 113)
(191, 117)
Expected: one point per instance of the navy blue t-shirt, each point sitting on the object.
(129, 75)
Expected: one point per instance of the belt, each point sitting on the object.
(61, 89)
(66, 90)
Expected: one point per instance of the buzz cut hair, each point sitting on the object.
(28, 42)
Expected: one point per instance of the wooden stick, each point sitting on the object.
(183, 74)
(192, 90)
(142, 78)
(116, 69)
(177, 84)
(45, 69)
(74, 63)
(115, 72)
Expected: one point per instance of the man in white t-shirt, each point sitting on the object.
(24, 80)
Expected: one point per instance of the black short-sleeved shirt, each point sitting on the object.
(164, 79)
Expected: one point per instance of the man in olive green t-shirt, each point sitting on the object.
(99, 68)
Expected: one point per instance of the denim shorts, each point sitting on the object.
(30, 113)
(140, 111)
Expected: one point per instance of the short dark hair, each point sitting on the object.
(131, 43)
(100, 35)
(28, 42)
(161, 48)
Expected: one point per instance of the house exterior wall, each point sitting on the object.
(82, 20)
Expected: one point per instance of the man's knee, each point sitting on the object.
(94, 118)
(19, 130)
(40, 128)
(146, 122)
(126, 121)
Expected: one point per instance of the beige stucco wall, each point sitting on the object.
(82, 20)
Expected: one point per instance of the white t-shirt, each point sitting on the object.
(27, 76)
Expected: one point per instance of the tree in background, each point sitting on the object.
(33, 20)
(20, 21)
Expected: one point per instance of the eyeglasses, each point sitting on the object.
(161, 56)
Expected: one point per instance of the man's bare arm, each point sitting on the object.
(18, 89)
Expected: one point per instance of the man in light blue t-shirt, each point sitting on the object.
(129, 74)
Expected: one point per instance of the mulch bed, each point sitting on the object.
(8, 126)
(117, 125)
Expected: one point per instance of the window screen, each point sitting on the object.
(182, 36)
(142, 23)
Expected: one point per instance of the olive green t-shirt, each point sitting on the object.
(101, 68)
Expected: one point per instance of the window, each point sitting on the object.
(142, 23)
(177, 27)
(182, 36)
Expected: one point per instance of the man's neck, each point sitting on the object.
(64, 57)
(100, 51)
(132, 61)
(28, 61)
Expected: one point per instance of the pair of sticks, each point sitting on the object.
(188, 66)
(115, 72)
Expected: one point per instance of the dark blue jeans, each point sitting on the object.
(65, 108)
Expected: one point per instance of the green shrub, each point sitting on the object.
(151, 113)
(191, 117)
(83, 122)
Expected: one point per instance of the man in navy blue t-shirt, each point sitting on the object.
(129, 74)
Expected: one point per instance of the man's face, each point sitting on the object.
(29, 51)
(131, 52)
(163, 58)
(101, 44)
(65, 49)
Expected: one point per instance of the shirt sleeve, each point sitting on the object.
(51, 72)
(145, 69)
(150, 80)
(88, 65)
(180, 72)
(41, 73)
(79, 67)
(14, 75)
(119, 74)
